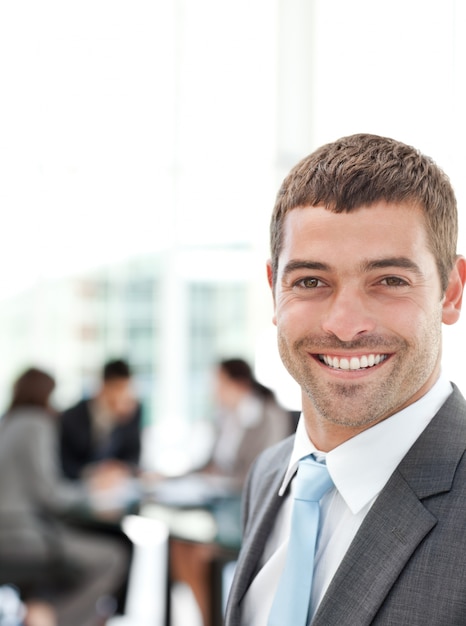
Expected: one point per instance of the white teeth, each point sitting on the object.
(353, 363)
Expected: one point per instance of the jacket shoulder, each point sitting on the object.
(274, 456)
(265, 477)
(78, 410)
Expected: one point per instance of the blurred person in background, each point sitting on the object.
(102, 435)
(248, 420)
(71, 572)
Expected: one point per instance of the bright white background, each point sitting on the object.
(128, 127)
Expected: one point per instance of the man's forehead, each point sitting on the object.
(368, 234)
(381, 211)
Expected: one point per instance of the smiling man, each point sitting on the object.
(363, 273)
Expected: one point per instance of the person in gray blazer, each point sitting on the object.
(248, 419)
(71, 573)
(363, 272)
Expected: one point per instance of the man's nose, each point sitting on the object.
(348, 315)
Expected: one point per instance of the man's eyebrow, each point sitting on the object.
(401, 262)
(367, 266)
(292, 266)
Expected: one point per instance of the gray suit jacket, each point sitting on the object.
(33, 493)
(407, 564)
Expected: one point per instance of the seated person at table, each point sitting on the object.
(103, 433)
(67, 570)
(249, 419)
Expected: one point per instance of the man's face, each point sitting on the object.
(119, 399)
(358, 308)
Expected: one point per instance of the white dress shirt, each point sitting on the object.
(360, 468)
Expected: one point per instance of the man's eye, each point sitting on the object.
(394, 281)
(309, 283)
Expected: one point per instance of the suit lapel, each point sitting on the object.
(253, 547)
(264, 508)
(397, 522)
(393, 528)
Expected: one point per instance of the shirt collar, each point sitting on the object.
(361, 466)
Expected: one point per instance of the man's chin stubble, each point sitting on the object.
(345, 392)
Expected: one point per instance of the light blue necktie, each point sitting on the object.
(290, 606)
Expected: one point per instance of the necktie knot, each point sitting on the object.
(312, 480)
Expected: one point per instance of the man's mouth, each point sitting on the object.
(352, 363)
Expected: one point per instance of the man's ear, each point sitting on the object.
(270, 280)
(453, 297)
(270, 274)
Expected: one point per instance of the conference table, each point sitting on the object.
(202, 514)
(197, 510)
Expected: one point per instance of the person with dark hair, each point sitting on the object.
(103, 432)
(248, 419)
(358, 519)
(66, 570)
(116, 370)
(33, 388)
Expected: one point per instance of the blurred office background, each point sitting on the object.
(141, 147)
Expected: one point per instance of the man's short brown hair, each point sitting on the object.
(360, 170)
